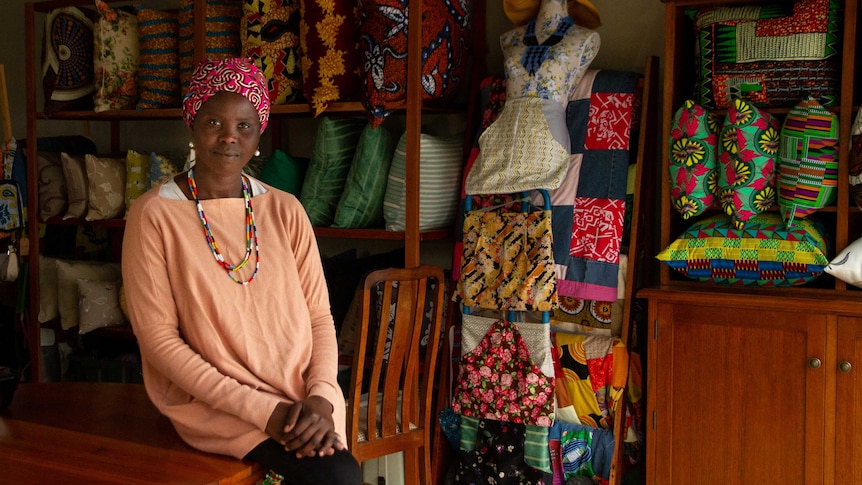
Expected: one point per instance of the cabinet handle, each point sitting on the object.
(814, 363)
(844, 366)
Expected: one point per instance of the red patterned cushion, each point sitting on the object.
(383, 40)
(270, 36)
(331, 59)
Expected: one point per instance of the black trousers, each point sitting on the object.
(339, 469)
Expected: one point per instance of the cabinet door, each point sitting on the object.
(738, 395)
(848, 401)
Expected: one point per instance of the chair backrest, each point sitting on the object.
(395, 359)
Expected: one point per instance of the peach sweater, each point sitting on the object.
(218, 356)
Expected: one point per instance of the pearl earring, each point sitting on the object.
(257, 152)
(191, 144)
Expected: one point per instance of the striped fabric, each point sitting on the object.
(439, 183)
(808, 160)
(222, 33)
(330, 163)
(159, 59)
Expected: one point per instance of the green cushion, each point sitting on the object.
(747, 153)
(764, 253)
(331, 157)
(693, 157)
(284, 172)
(361, 205)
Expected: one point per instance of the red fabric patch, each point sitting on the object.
(597, 229)
(610, 121)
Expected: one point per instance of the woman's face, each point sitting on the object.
(226, 133)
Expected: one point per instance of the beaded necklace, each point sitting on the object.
(250, 232)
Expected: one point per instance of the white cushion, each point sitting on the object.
(847, 265)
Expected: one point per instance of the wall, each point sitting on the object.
(631, 31)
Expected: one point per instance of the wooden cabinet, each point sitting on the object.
(754, 390)
(746, 384)
(412, 111)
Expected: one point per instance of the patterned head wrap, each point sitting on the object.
(237, 75)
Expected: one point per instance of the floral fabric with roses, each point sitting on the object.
(499, 380)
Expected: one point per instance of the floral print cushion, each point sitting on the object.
(116, 59)
(693, 159)
(747, 155)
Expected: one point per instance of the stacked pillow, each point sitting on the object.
(95, 187)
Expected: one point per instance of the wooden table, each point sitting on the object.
(102, 433)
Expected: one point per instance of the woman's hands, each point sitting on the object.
(305, 427)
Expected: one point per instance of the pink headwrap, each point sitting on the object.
(237, 75)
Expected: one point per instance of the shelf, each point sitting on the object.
(292, 109)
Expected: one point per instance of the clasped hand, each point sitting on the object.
(305, 427)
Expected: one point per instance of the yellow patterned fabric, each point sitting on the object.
(518, 152)
(269, 32)
(508, 263)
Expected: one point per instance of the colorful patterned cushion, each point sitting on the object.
(746, 161)
(67, 60)
(75, 175)
(440, 176)
(106, 193)
(159, 61)
(284, 172)
(361, 205)
(137, 176)
(769, 55)
(331, 157)
(331, 62)
(269, 31)
(116, 59)
(222, 34)
(693, 160)
(807, 160)
(383, 41)
(764, 253)
(161, 169)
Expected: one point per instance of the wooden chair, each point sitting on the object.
(395, 362)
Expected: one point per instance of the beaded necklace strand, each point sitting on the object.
(250, 232)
